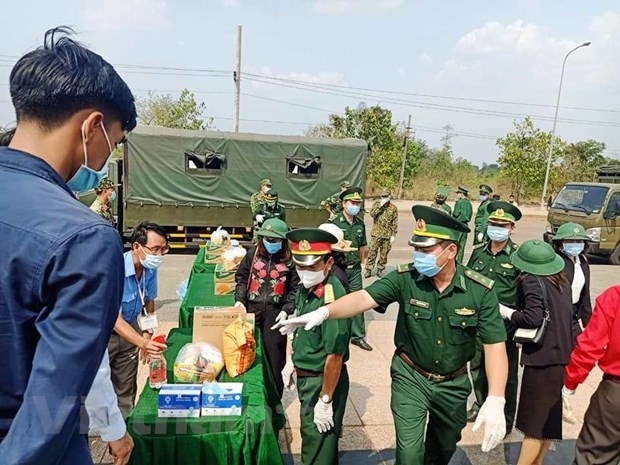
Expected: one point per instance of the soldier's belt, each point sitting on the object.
(432, 377)
(307, 373)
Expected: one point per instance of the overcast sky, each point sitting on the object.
(439, 61)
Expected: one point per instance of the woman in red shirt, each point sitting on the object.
(599, 439)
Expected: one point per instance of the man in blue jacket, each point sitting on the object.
(61, 266)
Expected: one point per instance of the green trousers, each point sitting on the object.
(481, 384)
(462, 242)
(320, 448)
(358, 325)
(414, 399)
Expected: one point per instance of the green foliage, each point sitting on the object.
(579, 162)
(181, 113)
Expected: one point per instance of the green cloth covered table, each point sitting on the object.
(250, 438)
(201, 292)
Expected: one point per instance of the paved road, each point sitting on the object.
(368, 437)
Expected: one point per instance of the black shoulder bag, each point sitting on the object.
(535, 336)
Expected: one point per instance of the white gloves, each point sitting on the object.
(239, 304)
(260, 218)
(567, 392)
(289, 375)
(392, 239)
(308, 321)
(492, 415)
(480, 237)
(323, 416)
(505, 312)
(281, 316)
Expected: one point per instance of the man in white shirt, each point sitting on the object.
(105, 417)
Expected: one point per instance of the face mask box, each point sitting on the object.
(210, 322)
(224, 282)
(179, 401)
(221, 399)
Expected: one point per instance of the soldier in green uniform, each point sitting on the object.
(462, 212)
(480, 222)
(355, 231)
(270, 208)
(441, 195)
(385, 226)
(493, 260)
(442, 306)
(106, 194)
(333, 204)
(258, 198)
(319, 356)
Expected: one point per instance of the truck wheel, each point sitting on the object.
(614, 258)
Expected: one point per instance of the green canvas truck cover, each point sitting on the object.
(207, 168)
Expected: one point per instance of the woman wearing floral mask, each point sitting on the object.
(266, 282)
(570, 242)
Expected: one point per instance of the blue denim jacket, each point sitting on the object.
(61, 282)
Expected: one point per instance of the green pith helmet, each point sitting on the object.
(265, 182)
(572, 232)
(538, 258)
(442, 193)
(106, 183)
(433, 226)
(273, 227)
(503, 212)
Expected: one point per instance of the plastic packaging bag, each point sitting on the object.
(233, 256)
(239, 347)
(182, 289)
(198, 362)
(220, 237)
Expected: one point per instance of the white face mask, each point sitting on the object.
(311, 278)
(150, 261)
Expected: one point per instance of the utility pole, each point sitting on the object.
(237, 79)
(404, 161)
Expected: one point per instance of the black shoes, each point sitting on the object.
(362, 344)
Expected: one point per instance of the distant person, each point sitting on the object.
(384, 229)
(441, 195)
(543, 293)
(480, 222)
(61, 266)
(599, 439)
(511, 199)
(333, 204)
(270, 208)
(462, 212)
(106, 194)
(495, 197)
(258, 198)
(339, 249)
(549, 202)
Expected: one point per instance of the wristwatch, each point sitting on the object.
(325, 399)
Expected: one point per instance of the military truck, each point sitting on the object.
(191, 182)
(594, 205)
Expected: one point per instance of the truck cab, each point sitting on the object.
(595, 206)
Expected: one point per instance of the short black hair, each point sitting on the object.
(140, 233)
(50, 84)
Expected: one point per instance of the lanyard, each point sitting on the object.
(142, 291)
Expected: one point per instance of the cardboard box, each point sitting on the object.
(222, 399)
(213, 253)
(224, 281)
(210, 323)
(179, 400)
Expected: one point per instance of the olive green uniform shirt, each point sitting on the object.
(311, 348)
(499, 269)
(482, 217)
(462, 210)
(354, 232)
(438, 331)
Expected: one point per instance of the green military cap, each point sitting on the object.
(309, 245)
(271, 195)
(434, 226)
(572, 232)
(345, 185)
(462, 190)
(485, 188)
(106, 183)
(352, 193)
(273, 227)
(537, 257)
(265, 182)
(503, 212)
(442, 193)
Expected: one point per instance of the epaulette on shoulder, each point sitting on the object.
(405, 267)
(477, 246)
(480, 279)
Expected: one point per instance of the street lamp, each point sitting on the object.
(555, 122)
